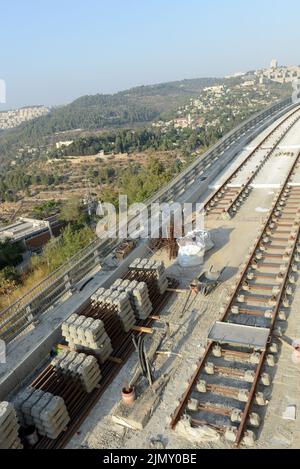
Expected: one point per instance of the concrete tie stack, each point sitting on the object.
(88, 335)
(157, 267)
(9, 427)
(138, 295)
(80, 366)
(121, 302)
(48, 413)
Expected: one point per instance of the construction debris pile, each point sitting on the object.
(88, 335)
(46, 412)
(80, 366)
(156, 268)
(9, 427)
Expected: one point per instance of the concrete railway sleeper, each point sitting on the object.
(234, 414)
(247, 376)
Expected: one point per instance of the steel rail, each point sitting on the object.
(249, 404)
(183, 401)
(260, 237)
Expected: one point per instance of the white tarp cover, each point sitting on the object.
(192, 248)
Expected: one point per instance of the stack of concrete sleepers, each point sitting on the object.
(48, 413)
(9, 427)
(119, 302)
(81, 366)
(156, 267)
(88, 335)
(138, 295)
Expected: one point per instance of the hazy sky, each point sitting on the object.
(52, 52)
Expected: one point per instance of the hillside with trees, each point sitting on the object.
(130, 108)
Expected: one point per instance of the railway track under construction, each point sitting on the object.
(227, 200)
(227, 391)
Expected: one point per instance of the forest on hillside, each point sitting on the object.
(129, 108)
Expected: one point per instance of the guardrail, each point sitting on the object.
(17, 317)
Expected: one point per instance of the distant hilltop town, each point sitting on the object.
(10, 119)
(280, 74)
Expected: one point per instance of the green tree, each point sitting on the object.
(59, 250)
(10, 253)
(9, 274)
(72, 210)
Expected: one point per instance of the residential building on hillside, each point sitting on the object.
(33, 234)
(280, 74)
(13, 118)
